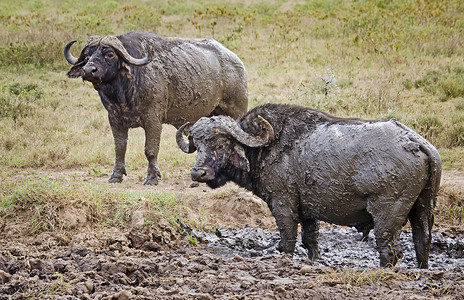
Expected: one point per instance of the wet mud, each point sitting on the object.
(227, 264)
(339, 247)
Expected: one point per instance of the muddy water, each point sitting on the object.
(338, 246)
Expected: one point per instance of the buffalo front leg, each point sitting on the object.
(309, 235)
(120, 146)
(152, 141)
(287, 223)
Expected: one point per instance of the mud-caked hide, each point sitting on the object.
(145, 80)
(352, 172)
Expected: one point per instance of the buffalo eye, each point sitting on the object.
(110, 55)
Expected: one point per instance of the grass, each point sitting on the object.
(354, 277)
(43, 202)
(370, 59)
(365, 59)
(450, 208)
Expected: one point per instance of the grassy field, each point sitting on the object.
(400, 59)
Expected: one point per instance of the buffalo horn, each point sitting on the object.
(234, 130)
(67, 53)
(116, 44)
(187, 147)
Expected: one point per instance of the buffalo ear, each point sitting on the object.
(125, 70)
(239, 160)
(75, 71)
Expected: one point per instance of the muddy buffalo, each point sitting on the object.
(145, 79)
(310, 166)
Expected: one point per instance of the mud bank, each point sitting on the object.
(231, 264)
(339, 247)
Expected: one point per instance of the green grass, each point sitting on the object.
(41, 201)
(371, 59)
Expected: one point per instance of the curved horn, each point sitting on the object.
(67, 53)
(117, 45)
(187, 147)
(237, 132)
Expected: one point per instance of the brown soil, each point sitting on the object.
(138, 262)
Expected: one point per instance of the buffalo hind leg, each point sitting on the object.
(234, 106)
(309, 236)
(120, 146)
(387, 227)
(421, 218)
(389, 247)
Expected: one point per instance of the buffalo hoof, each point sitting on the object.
(115, 179)
(286, 247)
(151, 181)
(313, 254)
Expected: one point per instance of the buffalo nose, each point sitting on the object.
(89, 69)
(198, 174)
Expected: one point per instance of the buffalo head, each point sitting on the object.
(221, 146)
(101, 59)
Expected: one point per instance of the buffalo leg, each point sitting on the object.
(288, 228)
(421, 218)
(388, 246)
(152, 141)
(387, 227)
(309, 235)
(120, 146)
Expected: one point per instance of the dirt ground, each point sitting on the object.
(133, 262)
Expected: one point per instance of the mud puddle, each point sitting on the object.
(338, 246)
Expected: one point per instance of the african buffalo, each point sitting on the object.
(308, 166)
(174, 80)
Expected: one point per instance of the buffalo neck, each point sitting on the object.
(239, 176)
(119, 100)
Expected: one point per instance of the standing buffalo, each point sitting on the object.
(310, 166)
(176, 80)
